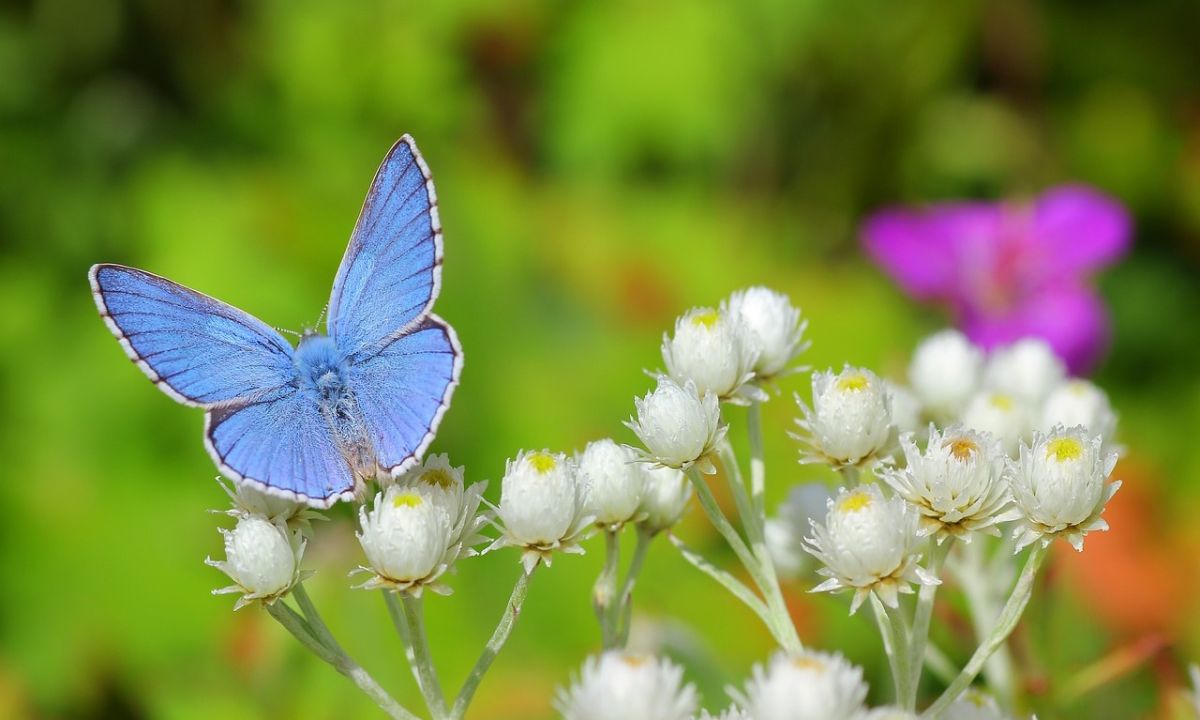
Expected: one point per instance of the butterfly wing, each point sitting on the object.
(283, 443)
(392, 268)
(259, 426)
(403, 390)
(404, 363)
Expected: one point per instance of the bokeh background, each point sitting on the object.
(601, 167)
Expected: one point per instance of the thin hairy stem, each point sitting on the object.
(499, 636)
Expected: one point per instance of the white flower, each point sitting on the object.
(945, 373)
(542, 507)
(618, 685)
(785, 532)
(957, 484)
(444, 482)
(850, 421)
(708, 349)
(1001, 416)
(248, 500)
(1058, 483)
(1026, 370)
(974, 705)
(262, 557)
(613, 480)
(906, 409)
(868, 544)
(678, 426)
(418, 527)
(805, 686)
(665, 498)
(1079, 402)
(773, 329)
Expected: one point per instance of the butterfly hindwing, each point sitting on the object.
(282, 442)
(197, 349)
(403, 390)
(391, 271)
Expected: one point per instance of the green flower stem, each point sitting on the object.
(723, 526)
(754, 520)
(499, 636)
(758, 470)
(1003, 627)
(978, 578)
(625, 600)
(337, 658)
(895, 635)
(921, 619)
(604, 593)
(420, 658)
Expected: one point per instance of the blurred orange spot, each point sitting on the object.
(1135, 576)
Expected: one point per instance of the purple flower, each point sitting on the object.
(1008, 270)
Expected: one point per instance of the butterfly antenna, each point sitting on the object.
(321, 319)
(285, 331)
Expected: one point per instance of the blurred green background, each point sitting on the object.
(601, 168)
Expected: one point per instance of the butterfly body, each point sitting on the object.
(311, 422)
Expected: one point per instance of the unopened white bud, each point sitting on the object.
(805, 686)
(542, 506)
(868, 544)
(850, 419)
(405, 535)
(945, 372)
(613, 480)
(678, 426)
(1026, 370)
(1080, 402)
(665, 498)
(261, 557)
(1001, 416)
(708, 350)
(619, 685)
(774, 331)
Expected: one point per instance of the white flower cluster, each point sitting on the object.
(727, 354)
(981, 462)
(618, 685)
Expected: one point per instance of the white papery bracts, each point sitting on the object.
(262, 557)
(849, 423)
(613, 481)
(542, 508)
(804, 686)
(944, 373)
(620, 685)
(665, 498)
(773, 330)
(417, 528)
(709, 349)
(1058, 483)
(956, 483)
(679, 427)
(868, 544)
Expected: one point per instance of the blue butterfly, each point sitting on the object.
(311, 422)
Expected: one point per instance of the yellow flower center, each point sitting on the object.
(855, 501)
(542, 462)
(807, 663)
(407, 499)
(633, 660)
(438, 477)
(1064, 449)
(1002, 402)
(853, 382)
(961, 448)
(707, 318)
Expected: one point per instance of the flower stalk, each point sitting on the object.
(500, 635)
